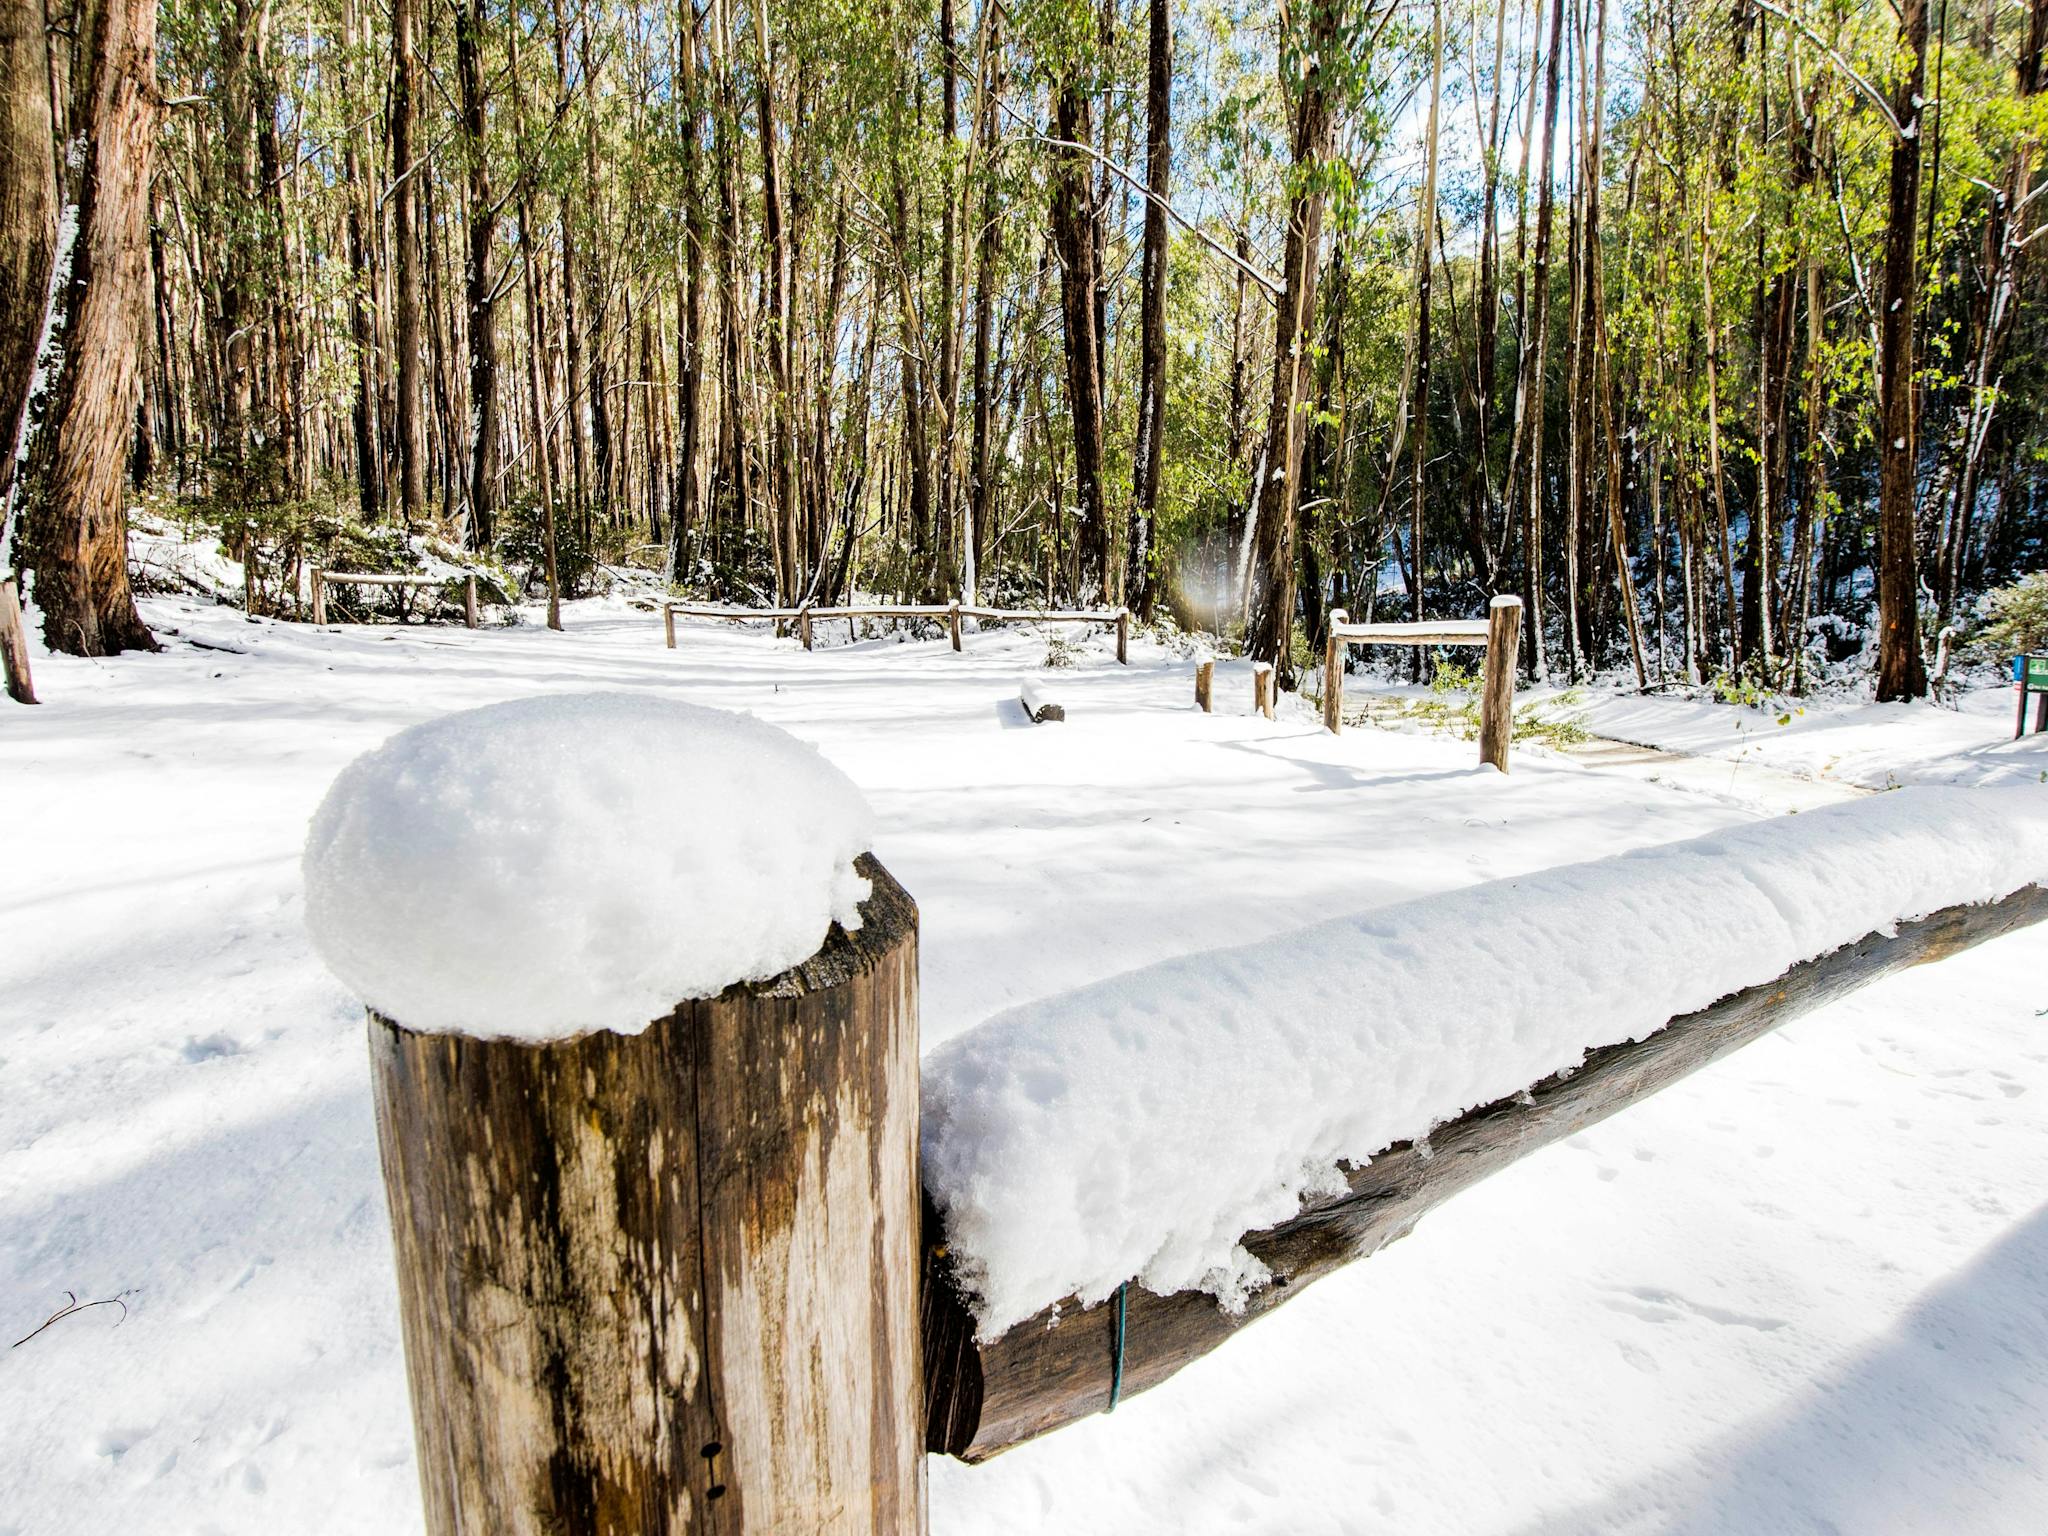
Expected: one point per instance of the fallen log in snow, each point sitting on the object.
(1037, 705)
(1056, 1367)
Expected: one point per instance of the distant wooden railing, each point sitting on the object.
(806, 615)
(1500, 632)
(322, 580)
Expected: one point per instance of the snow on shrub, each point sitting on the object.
(552, 866)
(1139, 1127)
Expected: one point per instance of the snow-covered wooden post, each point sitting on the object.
(668, 624)
(803, 625)
(1497, 690)
(1262, 688)
(1205, 675)
(653, 1277)
(1333, 672)
(469, 603)
(953, 621)
(319, 596)
(1123, 636)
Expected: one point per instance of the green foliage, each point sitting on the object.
(523, 542)
(2014, 619)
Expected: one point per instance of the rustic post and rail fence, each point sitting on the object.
(322, 580)
(1499, 632)
(952, 613)
(690, 1279)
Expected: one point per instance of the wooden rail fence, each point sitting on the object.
(1053, 1369)
(322, 580)
(688, 1279)
(805, 616)
(1500, 632)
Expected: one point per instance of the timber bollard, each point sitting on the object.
(953, 621)
(21, 686)
(668, 624)
(1333, 672)
(1123, 636)
(669, 1281)
(469, 603)
(319, 597)
(1262, 688)
(803, 625)
(1497, 690)
(1205, 675)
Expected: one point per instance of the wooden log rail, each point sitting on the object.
(806, 615)
(669, 612)
(322, 580)
(1500, 632)
(1054, 1368)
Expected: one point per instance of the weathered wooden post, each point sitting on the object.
(1205, 674)
(469, 603)
(803, 625)
(319, 596)
(21, 686)
(953, 621)
(1262, 688)
(1123, 636)
(1497, 692)
(668, 1282)
(651, 1280)
(1333, 673)
(668, 624)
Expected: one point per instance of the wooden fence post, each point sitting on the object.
(668, 624)
(21, 686)
(1123, 636)
(1262, 688)
(1333, 673)
(953, 621)
(669, 1281)
(1205, 675)
(319, 596)
(469, 603)
(803, 625)
(1497, 695)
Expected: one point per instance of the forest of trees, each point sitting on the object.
(1707, 326)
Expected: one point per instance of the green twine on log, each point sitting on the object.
(1116, 1363)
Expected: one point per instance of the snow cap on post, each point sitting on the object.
(549, 867)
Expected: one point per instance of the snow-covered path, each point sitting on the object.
(1802, 1288)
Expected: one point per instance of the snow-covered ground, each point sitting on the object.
(1801, 1291)
(1874, 746)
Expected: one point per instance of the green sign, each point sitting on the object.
(2037, 674)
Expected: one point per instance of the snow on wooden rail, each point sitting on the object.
(1209, 1134)
(322, 580)
(1500, 632)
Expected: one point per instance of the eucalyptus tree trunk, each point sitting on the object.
(478, 293)
(1276, 529)
(77, 510)
(1901, 674)
(1074, 218)
(1148, 456)
(405, 173)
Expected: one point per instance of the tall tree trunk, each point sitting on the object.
(1276, 530)
(1536, 346)
(28, 224)
(689, 343)
(1418, 408)
(1074, 217)
(406, 172)
(988, 276)
(479, 297)
(361, 295)
(1901, 674)
(77, 519)
(1148, 455)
